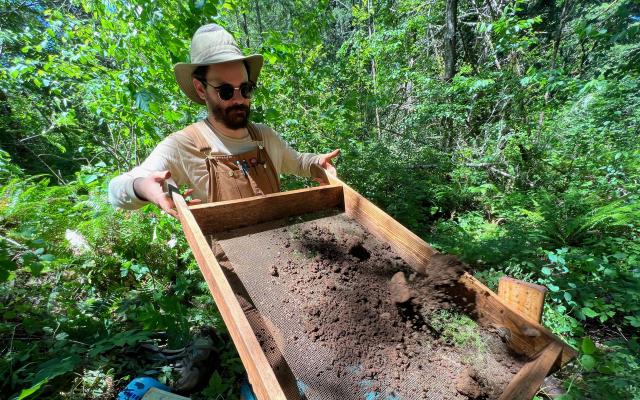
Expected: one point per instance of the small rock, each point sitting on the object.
(399, 288)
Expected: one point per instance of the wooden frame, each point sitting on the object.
(226, 215)
(527, 298)
(526, 336)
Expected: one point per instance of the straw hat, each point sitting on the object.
(211, 44)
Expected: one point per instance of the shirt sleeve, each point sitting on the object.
(285, 159)
(164, 157)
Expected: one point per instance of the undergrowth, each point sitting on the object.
(82, 284)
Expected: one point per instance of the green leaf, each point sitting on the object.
(546, 270)
(588, 362)
(36, 268)
(633, 320)
(47, 257)
(606, 369)
(589, 312)
(481, 84)
(57, 367)
(127, 338)
(28, 392)
(143, 98)
(588, 347)
(89, 178)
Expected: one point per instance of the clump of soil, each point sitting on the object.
(399, 288)
(356, 248)
(443, 270)
(470, 384)
(357, 300)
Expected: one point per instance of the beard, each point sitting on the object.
(233, 117)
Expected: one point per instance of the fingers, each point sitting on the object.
(154, 187)
(321, 181)
(161, 176)
(191, 202)
(172, 212)
(333, 154)
(166, 204)
(331, 169)
(326, 159)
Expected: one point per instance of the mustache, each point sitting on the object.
(238, 107)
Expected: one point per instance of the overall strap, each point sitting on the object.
(254, 132)
(198, 139)
(203, 146)
(264, 158)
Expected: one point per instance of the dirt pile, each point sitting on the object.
(470, 384)
(354, 296)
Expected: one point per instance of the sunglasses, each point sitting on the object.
(226, 91)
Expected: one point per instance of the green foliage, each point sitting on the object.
(70, 314)
(611, 367)
(527, 163)
(458, 330)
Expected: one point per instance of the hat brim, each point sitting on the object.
(183, 72)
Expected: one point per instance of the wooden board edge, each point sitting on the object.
(527, 336)
(258, 209)
(532, 285)
(525, 297)
(526, 383)
(415, 251)
(260, 373)
(197, 207)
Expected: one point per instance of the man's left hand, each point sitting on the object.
(325, 162)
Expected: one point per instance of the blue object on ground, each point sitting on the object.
(139, 386)
(367, 384)
(245, 391)
(302, 388)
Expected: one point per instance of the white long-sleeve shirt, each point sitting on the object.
(179, 155)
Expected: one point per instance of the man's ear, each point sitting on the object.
(200, 88)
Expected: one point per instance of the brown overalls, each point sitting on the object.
(237, 176)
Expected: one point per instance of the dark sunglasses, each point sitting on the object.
(226, 91)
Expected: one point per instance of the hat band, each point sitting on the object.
(216, 54)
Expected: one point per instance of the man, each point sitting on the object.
(224, 156)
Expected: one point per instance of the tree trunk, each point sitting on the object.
(245, 27)
(259, 18)
(374, 78)
(566, 8)
(450, 40)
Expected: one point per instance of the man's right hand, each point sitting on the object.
(151, 189)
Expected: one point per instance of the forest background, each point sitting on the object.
(505, 132)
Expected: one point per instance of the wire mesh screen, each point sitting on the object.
(325, 335)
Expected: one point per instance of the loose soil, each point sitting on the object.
(355, 320)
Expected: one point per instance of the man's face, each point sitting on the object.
(233, 113)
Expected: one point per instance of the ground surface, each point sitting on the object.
(351, 319)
